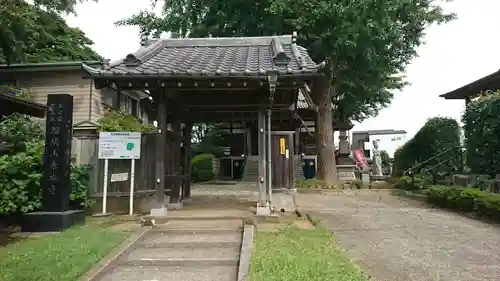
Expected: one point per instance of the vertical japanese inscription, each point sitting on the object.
(58, 136)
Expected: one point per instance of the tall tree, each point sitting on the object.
(37, 33)
(366, 45)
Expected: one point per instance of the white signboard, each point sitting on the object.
(119, 177)
(119, 145)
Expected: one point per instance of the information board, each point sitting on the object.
(119, 145)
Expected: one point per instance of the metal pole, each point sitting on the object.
(269, 161)
(262, 158)
(132, 180)
(105, 186)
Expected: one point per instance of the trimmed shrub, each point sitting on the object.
(437, 135)
(482, 134)
(464, 199)
(202, 169)
(404, 183)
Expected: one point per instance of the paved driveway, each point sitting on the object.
(396, 239)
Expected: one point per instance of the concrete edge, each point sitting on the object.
(98, 269)
(246, 253)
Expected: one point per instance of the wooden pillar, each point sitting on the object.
(186, 144)
(160, 143)
(175, 194)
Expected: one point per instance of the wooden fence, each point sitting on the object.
(86, 151)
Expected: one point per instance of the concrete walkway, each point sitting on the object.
(187, 250)
(396, 239)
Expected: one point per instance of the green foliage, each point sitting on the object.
(21, 168)
(466, 200)
(119, 121)
(482, 134)
(437, 135)
(20, 179)
(202, 169)
(366, 44)
(209, 138)
(405, 183)
(37, 33)
(16, 132)
(80, 181)
(313, 184)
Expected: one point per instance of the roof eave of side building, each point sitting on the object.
(50, 66)
(474, 88)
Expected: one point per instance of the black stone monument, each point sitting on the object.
(56, 183)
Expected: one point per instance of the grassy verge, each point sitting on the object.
(63, 257)
(300, 255)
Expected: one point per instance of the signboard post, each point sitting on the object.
(119, 145)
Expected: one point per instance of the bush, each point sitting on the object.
(21, 169)
(437, 135)
(482, 131)
(202, 169)
(464, 199)
(405, 183)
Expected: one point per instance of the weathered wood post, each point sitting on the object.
(175, 178)
(159, 209)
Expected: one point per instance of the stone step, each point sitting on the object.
(202, 224)
(213, 255)
(197, 245)
(173, 273)
(158, 238)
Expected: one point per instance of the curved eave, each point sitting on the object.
(100, 73)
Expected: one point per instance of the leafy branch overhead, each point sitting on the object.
(37, 33)
(368, 43)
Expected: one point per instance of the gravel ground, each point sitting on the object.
(397, 239)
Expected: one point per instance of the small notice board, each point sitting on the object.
(119, 145)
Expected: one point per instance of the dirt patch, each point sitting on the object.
(304, 224)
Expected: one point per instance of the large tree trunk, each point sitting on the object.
(325, 147)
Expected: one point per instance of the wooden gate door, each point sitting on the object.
(282, 160)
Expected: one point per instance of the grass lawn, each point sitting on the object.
(60, 257)
(300, 255)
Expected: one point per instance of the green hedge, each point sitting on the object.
(437, 135)
(463, 199)
(202, 169)
(482, 134)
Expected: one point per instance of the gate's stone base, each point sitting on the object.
(283, 200)
(158, 212)
(263, 211)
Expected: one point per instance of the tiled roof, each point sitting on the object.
(238, 56)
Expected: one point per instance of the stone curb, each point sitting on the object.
(98, 270)
(246, 253)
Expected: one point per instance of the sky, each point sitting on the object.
(454, 54)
